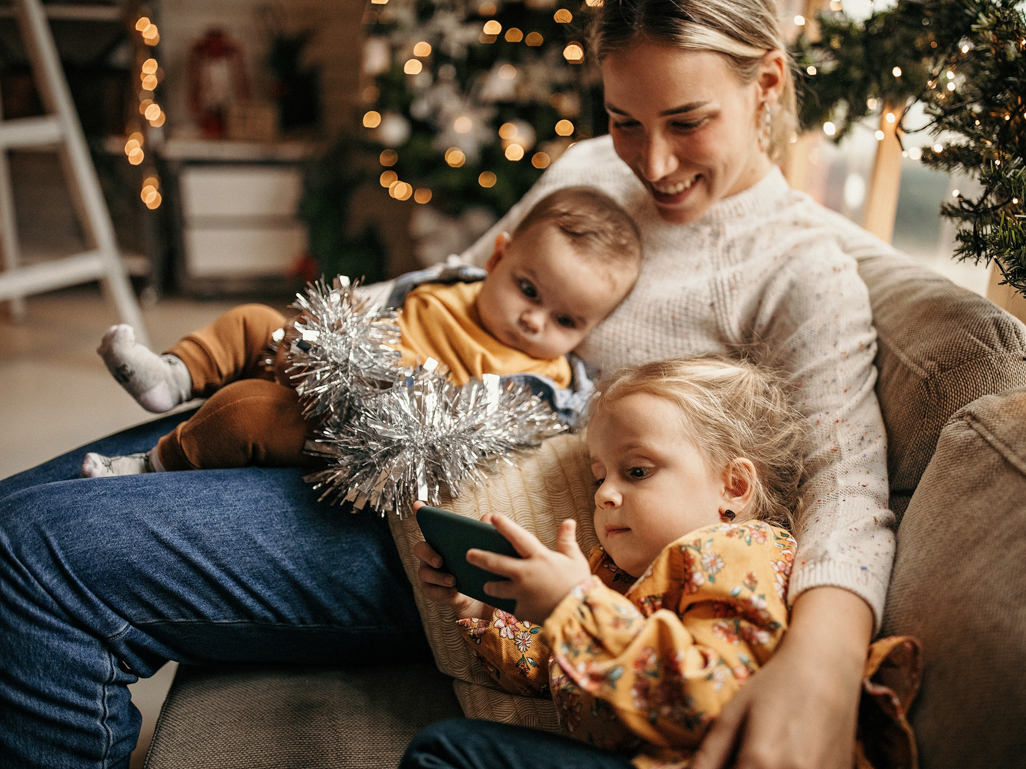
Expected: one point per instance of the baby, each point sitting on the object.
(697, 466)
(571, 260)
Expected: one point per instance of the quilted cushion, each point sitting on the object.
(958, 586)
(540, 489)
(940, 348)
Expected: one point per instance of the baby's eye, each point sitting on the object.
(637, 473)
(566, 321)
(527, 289)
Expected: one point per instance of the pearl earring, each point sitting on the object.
(765, 127)
(728, 515)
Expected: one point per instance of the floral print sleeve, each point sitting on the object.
(512, 652)
(655, 666)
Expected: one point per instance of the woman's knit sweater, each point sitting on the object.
(769, 272)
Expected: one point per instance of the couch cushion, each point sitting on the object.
(959, 586)
(940, 348)
(249, 717)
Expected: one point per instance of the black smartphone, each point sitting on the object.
(451, 536)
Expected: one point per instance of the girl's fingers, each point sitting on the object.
(435, 577)
(502, 565)
(426, 554)
(523, 541)
(566, 538)
(503, 589)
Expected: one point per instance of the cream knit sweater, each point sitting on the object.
(771, 271)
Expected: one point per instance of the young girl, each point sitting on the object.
(697, 465)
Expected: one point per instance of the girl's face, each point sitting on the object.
(654, 484)
(686, 125)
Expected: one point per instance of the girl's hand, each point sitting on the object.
(437, 585)
(541, 578)
(799, 711)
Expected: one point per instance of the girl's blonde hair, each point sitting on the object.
(743, 31)
(729, 410)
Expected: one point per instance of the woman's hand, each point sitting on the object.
(437, 585)
(799, 711)
(541, 578)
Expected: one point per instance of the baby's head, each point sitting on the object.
(680, 444)
(572, 259)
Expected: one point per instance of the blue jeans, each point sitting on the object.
(462, 743)
(103, 580)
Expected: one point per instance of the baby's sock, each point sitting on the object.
(98, 466)
(157, 382)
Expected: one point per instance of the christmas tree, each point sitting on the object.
(472, 100)
(965, 61)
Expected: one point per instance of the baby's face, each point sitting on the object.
(542, 297)
(653, 484)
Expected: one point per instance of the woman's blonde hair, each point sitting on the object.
(729, 410)
(743, 31)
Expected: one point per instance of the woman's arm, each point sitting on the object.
(799, 710)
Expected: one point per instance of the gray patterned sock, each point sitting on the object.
(157, 382)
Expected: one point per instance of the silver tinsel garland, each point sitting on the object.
(345, 351)
(426, 434)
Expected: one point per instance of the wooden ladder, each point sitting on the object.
(60, 129)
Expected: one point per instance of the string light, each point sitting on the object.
(829, 128)
(371, 119)
(937, 148)
(455, 157)
(507, 72)
(951, 86)
(871, 103)
(413, 67)
(401, 191)
(486, 179)
(811, 70)
(507, 131)
(388, 178)
(541, 160)
(799, 21)
(563, 16)
(388, 158)
(422, 195)
(534, 39)
(879, 136)
(896, 71)
(574, 53)
(422, 49)
(514, 35)
(462, 125)
(487, 9)
(492, 27)
(378, 2)
(564, 128)
(890, 117)
(955, 193)
(514, 152)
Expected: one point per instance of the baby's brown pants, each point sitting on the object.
(248, 419)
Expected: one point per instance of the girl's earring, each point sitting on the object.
(728, 515)
(765, 127)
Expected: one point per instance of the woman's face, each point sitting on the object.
(686, 125)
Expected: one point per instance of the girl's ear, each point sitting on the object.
(502, 241)
(739, 485)
(771, 77)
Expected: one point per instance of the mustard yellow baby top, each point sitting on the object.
(442, 322)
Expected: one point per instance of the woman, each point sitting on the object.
(102, 583)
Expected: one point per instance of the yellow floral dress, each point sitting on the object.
(644, 666)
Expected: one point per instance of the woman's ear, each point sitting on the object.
(739, 485)
(502, 241)
(772, 77)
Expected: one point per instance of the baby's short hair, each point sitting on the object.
(593, 222)
(729, 409)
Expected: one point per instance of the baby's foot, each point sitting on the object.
(157, 382)
(99, 466)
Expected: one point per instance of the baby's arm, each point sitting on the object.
(670, 654)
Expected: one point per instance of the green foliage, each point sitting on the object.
(977, 113)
